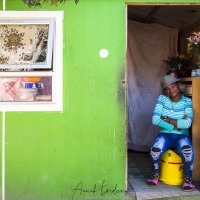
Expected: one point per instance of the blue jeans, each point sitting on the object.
(179, 142)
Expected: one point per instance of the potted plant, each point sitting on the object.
(180, 65)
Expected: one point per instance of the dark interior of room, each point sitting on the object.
(185, 18)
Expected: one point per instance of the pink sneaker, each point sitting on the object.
(153, 180)
(188, 186)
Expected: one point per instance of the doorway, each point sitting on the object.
(144, 86)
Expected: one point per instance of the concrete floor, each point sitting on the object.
(139, 169)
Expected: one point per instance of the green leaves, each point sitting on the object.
(31, 3)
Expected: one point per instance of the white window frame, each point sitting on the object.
(56, 104)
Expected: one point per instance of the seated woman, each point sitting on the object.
(173, 114)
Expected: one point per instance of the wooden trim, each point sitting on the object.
(160, 4)
(195, 82)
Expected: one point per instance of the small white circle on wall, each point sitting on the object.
(103, 53)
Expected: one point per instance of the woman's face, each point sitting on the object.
(173, 90)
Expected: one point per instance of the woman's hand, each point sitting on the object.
(166, 119)
(173, 121)
(185, 116)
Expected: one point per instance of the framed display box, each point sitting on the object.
(31, 61)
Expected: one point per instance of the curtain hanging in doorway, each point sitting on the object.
(148, 46)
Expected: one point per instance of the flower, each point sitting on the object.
(195, 39)
(178, 61)
(194, 42)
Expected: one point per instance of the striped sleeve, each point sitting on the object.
(157, 111)
(186, 123)
(156, 118)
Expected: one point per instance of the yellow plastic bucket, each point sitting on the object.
(171, 168)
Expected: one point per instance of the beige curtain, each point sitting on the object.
(148, 45)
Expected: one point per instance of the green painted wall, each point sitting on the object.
(49, 154)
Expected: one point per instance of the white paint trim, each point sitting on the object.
(4, 5)
(3, 156)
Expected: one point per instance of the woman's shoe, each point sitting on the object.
(153, 180)
(188, 186)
